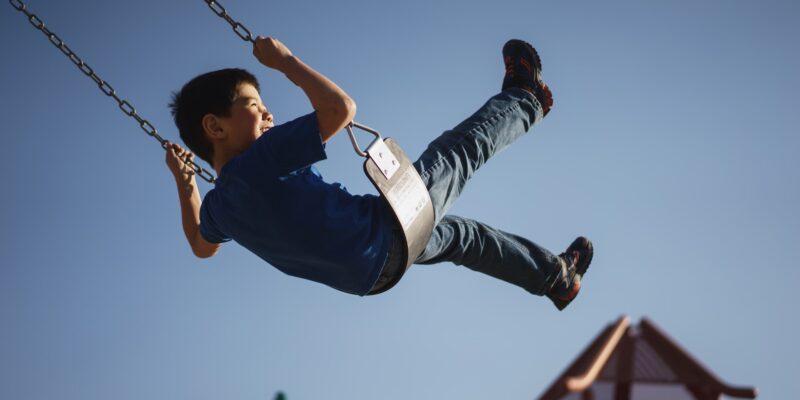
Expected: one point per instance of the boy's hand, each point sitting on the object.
(271, 52)
(175, 156)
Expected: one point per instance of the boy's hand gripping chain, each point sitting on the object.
(245, 35)
(105, 87)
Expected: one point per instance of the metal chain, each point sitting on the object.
(240, 29)
(104, 86)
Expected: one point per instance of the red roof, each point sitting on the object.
(626, 362)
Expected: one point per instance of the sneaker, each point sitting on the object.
(524, 70)
(575, 261)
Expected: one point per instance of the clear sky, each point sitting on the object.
(672, 145)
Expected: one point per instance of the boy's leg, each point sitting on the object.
(499, 254)
(452, 158)
(510, 258)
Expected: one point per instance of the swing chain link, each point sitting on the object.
(126, 107)
(240, 29)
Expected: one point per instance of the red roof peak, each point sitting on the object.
(626, 362)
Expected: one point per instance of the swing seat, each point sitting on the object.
(394, 176)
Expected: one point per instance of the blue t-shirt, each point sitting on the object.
(271, 200)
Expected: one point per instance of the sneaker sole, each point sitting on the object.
(537, 63)
(581, 269)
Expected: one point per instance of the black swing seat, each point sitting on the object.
(391, 172)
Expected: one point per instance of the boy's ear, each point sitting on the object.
(212, 126)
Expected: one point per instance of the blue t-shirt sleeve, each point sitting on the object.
(283, 149)
(293, 145)
(208, 230)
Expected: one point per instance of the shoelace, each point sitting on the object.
(509, 67)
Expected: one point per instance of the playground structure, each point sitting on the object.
(627, 362)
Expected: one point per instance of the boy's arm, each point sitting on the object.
(335, 109)
(189, 197)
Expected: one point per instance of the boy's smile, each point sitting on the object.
(248, 120)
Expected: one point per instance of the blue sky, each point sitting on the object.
(672, 145)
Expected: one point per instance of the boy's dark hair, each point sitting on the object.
(212, 92)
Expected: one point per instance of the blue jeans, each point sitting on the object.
(446, 166)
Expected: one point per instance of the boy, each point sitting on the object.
(269, 198)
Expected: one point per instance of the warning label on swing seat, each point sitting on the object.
(408, 197)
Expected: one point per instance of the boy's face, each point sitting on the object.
(249, 118)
